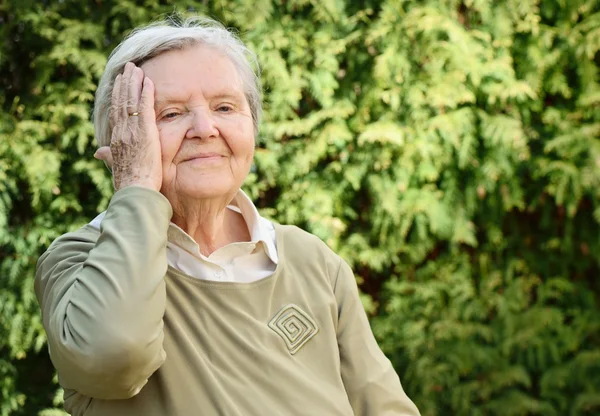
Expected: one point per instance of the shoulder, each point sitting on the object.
(69, 244)
(293, 238)
(303, 249)
(86, 234)
(292, 233)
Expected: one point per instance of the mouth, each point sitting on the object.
(203, 159)
(203, 156)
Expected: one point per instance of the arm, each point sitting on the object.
(103, 297)
(371, 382)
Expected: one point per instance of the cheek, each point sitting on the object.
(170, 142)
(243, 149)
(242, 143)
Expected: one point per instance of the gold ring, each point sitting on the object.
(134, 114)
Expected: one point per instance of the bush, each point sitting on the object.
(448, 149)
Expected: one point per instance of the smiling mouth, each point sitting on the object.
(205, 157)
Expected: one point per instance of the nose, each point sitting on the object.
(202, 125)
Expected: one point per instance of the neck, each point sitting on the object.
(210, 223)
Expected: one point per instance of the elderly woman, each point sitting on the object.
(180, 299)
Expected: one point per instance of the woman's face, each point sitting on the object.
(204, 122)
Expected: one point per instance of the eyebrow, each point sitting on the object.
(227, 95)
(217, 96)
(158, 103)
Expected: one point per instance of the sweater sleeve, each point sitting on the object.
(102, 297)
(372, 385)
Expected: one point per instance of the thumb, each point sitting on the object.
(104, 154)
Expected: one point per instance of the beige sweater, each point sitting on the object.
(131, 336)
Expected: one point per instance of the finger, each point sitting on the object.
(134, 90)
(104, 153)
(146, 106)
(124, 92)
(114, 101)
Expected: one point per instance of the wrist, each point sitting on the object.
(143, 182)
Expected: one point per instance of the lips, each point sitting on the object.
(203, 155)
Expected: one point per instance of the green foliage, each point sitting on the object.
(448, 149)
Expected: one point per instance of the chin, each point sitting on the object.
(207, 188)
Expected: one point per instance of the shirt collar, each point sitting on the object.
(260, 229)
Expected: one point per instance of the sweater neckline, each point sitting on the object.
(279, 235)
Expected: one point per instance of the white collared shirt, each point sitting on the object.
(242, 262)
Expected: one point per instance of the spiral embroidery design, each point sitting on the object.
(295, 327)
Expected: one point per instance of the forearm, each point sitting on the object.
(372, 385)
(103, 308)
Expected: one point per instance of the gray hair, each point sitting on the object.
(147, 42)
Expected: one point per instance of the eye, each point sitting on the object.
(170, 115)
(224, 108)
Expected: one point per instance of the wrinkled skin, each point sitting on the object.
(134, 153)
(192, 139)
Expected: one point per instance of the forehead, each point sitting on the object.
(195, 68)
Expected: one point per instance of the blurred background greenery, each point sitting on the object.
(449, 150)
